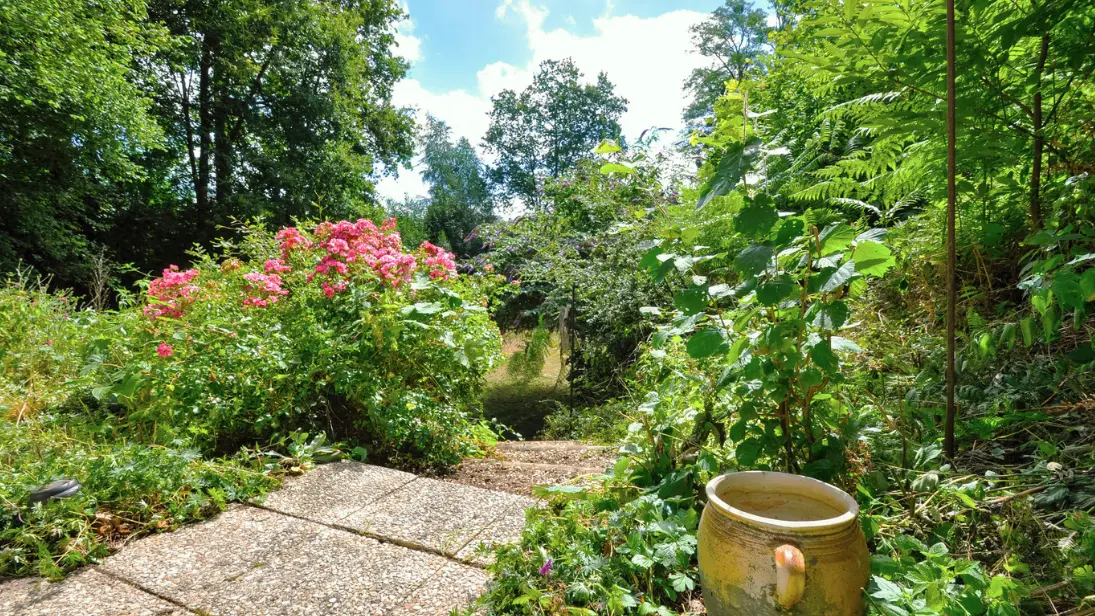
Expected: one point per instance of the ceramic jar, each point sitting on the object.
(773, 543)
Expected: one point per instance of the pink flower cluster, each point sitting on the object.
(265, 289)
(291, 239)
(348, 242)
(172, 293)
(440, 262)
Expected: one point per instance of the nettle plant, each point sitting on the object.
(771, 342)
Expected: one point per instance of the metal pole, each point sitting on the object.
(952, 287)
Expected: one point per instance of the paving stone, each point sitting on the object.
(335, 573)
(187, 564)
(331, 492)
(88, 593)
(454, 586)
(506, 529)
(15, 593)
(433, 515)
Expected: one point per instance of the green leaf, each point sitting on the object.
(836, 237)
(831, 316)
(872, 258)
(823, 356)
(734, 164)
(1082, 354)
(747, 452)
(789, 229)
(837, 278)
(707, 342)
(691, 301)
(753, 260)
(608, 146)
(1087, 285)
(1027, 327)
(757, 218)
(1066, 286)
(773, 292)
(609, 168)
(839, 343)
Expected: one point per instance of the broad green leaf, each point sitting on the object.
(1066, 286)
(1027, 327)
(608, 146)
(1082, 354)
(789, 229)
(757, 218)
(753, 260)
(651, 310)
(609, 168)
(732, 167)
(872, 258)
(830, 316)
(1087, 285)
(836, 237)
(707, 342)
(824, 357)
(837, 278)
(691, 301)
(844, 345)
(773, 292)
(747, 452)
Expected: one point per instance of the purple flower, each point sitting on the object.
(546, 568)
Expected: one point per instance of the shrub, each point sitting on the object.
(337, 329)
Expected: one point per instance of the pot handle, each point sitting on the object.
(790, 576)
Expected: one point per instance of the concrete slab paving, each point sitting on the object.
(188, 564)
(345, 539)
(331, 492)
(506, 529)
(87, 593)
(433, 515)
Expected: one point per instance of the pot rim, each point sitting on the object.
(826, 524)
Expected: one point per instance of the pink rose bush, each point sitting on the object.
(292, 327)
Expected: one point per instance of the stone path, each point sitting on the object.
(344, 539)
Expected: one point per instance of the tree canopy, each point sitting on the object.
(548, 127)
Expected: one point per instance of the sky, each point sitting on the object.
(462, 52)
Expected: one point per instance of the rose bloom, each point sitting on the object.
(165, 350)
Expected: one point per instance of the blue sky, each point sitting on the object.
(462, 52)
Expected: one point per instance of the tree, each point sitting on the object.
(547, 128)
(74, 125)
(735, 37)
(276, 105)
(460, 199)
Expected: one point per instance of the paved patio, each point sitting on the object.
(344, 539)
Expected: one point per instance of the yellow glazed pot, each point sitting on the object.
(773, 543)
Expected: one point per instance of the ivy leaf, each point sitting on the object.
(872, 258)
(707, 342)
(757, 218)
(838, 277)
(836, 237)
(734, 164)
(830, 316)
(773, 292)
(753, 260)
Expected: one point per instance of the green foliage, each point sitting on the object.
(547, 128)
(128, 489)
(459, 197)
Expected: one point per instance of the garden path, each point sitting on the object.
(346, 538)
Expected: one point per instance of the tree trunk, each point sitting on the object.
(205, 131)
(1036, 217)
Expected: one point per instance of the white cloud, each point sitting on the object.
(647, 59)
(408, 45)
